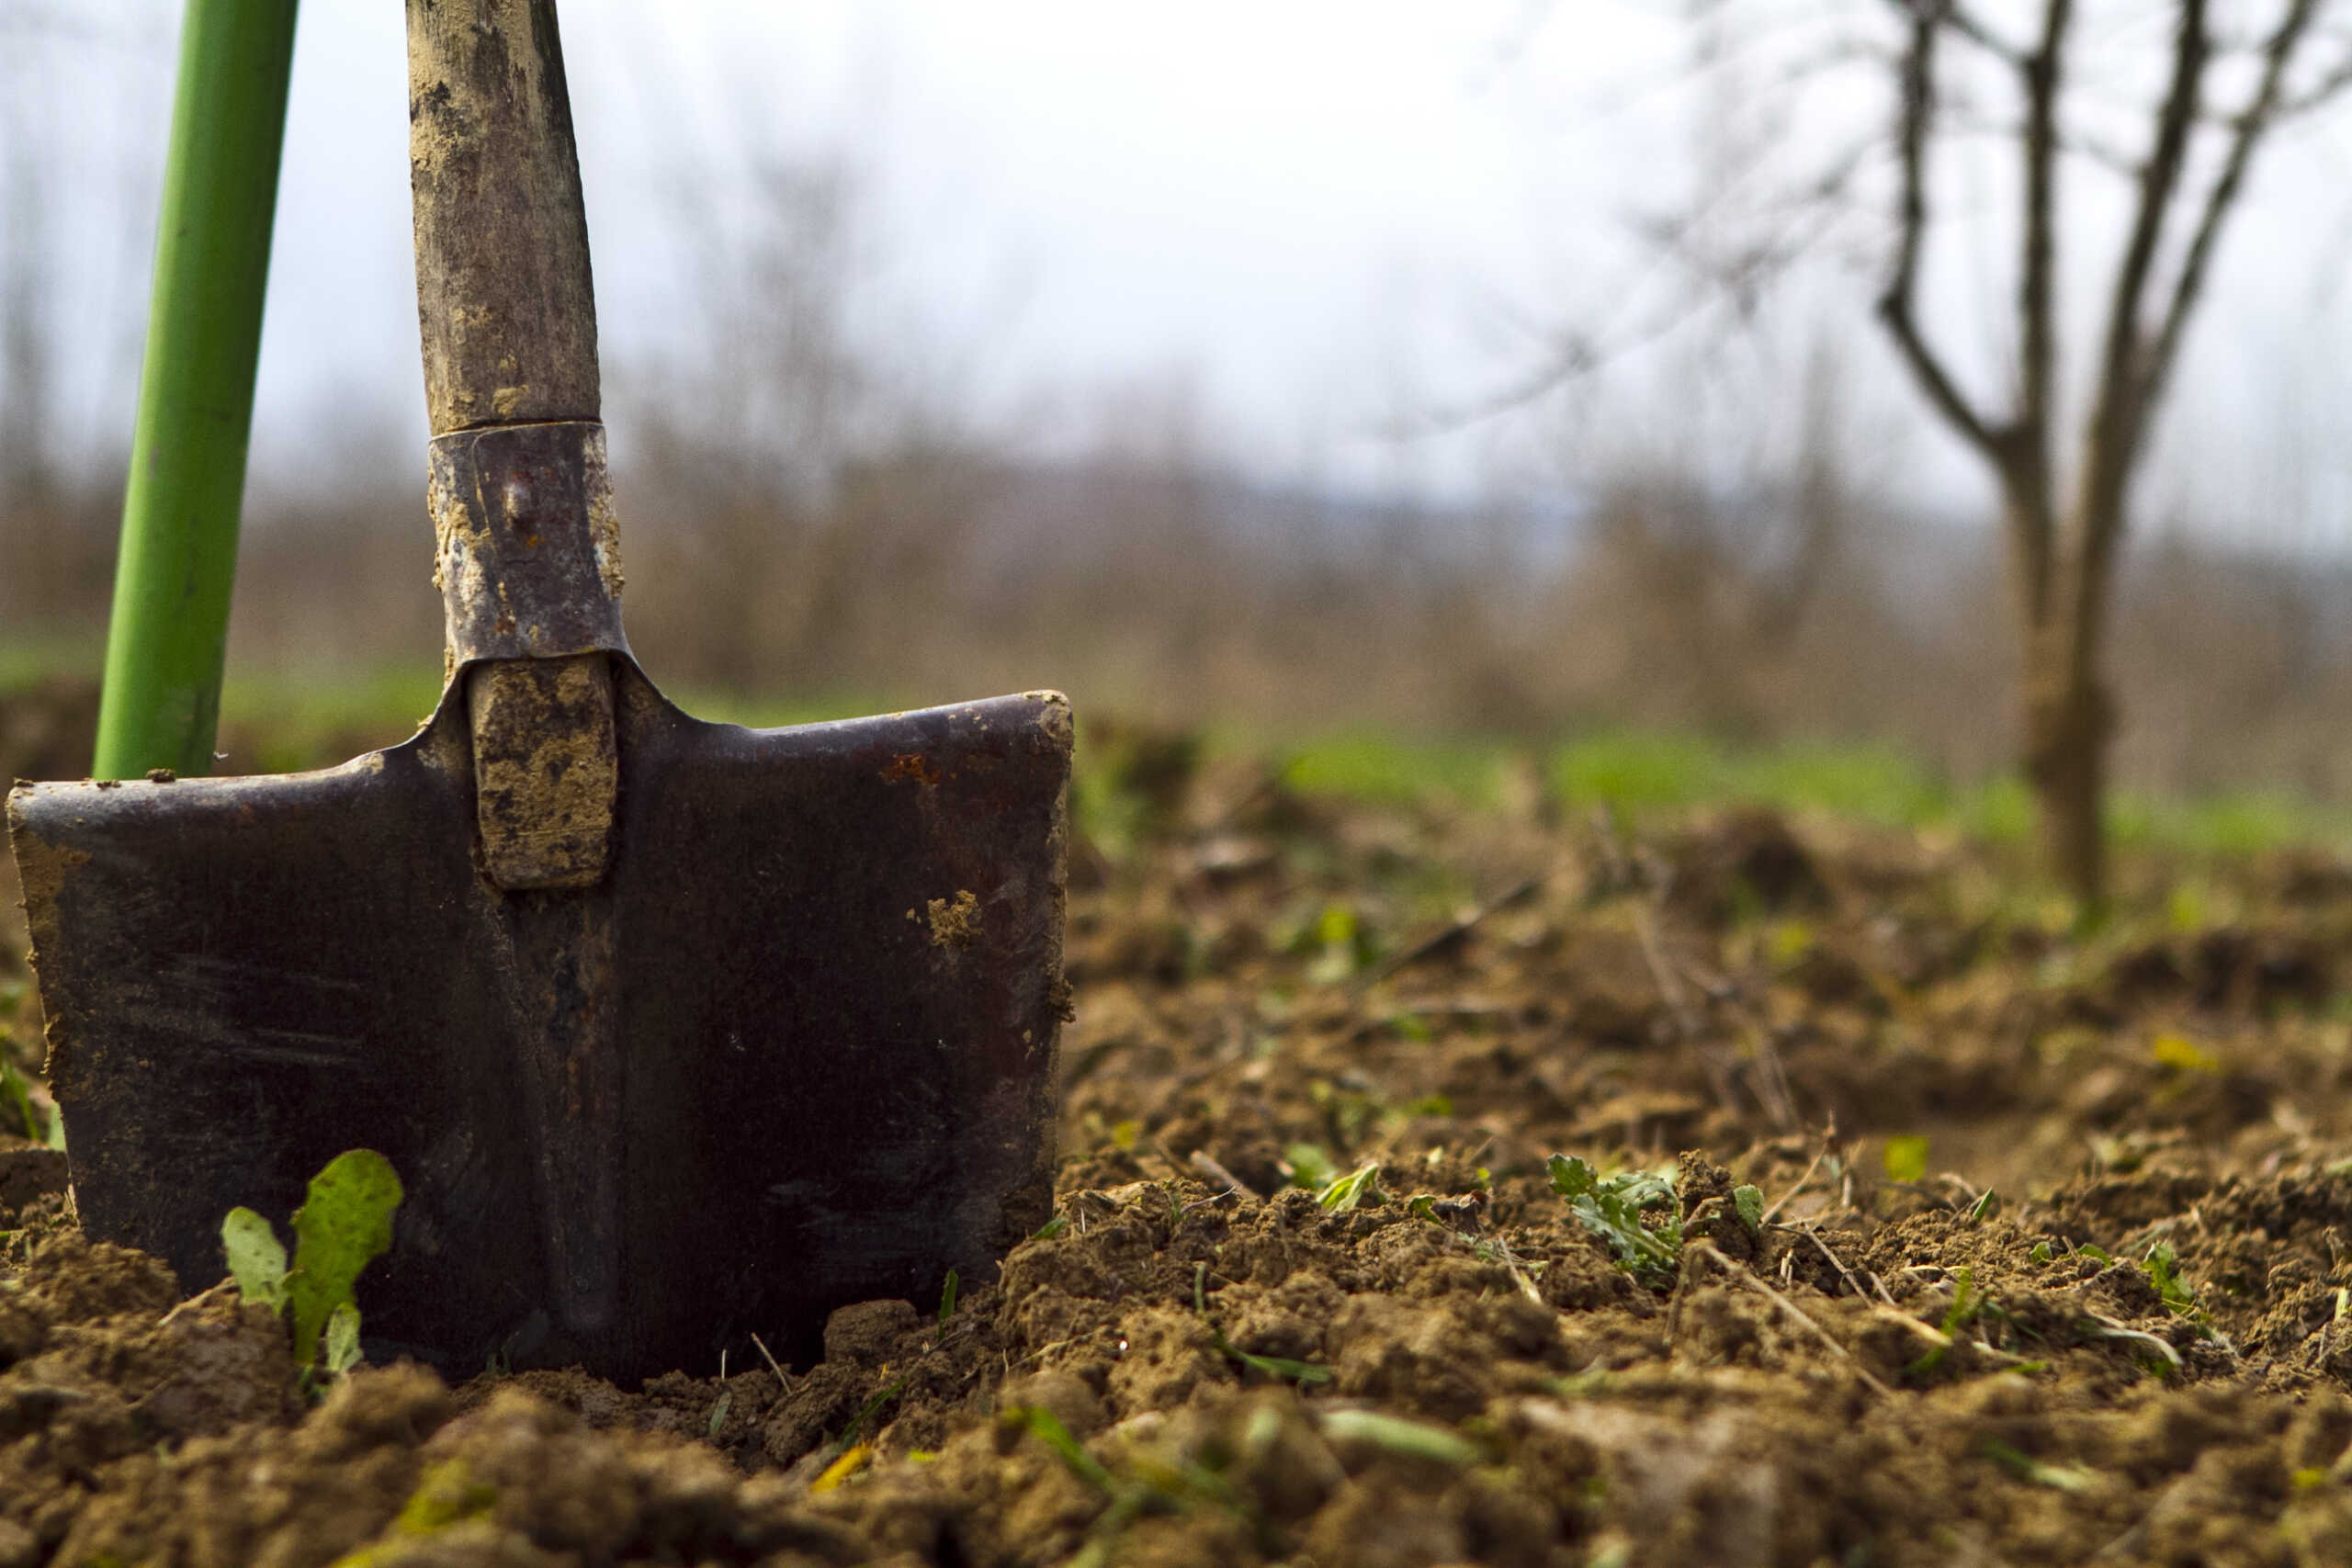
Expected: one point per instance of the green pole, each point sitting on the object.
(178, 560)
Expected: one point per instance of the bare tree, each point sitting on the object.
(2064, 531)
(2169, 101)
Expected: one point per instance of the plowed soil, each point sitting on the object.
(2047, 1261)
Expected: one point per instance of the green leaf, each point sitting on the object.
(869, 1410)
(1359, 1186)
(1412, 1440)
(1342, 945)
(1044, 1426)
(1571, 1177)
(1749, 1201)
(2058, 1477)
(947, 1300)
(343, 1338)
(345, 1224)
(1965, 1306)
(1612, 1208)
(256, 1257)
(18, 1095)
(447, 1495)
(2163, 1266)
(2184, 1054)
(1281, 1368)
(1310, 1168)
(1907, 1156)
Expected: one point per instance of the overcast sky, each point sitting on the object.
(1296, 205)
(1319, 215)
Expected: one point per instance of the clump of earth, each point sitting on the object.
(1951, 1234)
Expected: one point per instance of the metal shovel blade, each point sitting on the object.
(796, 1050)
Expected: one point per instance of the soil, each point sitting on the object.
(2102, 1314)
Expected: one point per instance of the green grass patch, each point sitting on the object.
(1650, 773)
(29, 660)
(1395, 772)
(1638, 773)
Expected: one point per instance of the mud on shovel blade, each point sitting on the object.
(676, 1031)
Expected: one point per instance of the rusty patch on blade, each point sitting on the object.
(955, 922)
(913, 765)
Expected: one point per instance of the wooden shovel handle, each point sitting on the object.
(507, 311)
(504, 300)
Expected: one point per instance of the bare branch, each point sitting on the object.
(2035, 291)
(1896, 306)
(2259, 115)
(2093, 149)
(2332, 86)
(1973, 28)
(2121, 403)
(1567, 357)
(2027, 474)
(2119, 407)
(2319, 93)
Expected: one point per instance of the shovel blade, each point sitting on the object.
(797, 1051)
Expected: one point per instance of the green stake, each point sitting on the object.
(170, 629)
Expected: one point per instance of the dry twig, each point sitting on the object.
(1449, 937)
(1746, 1276)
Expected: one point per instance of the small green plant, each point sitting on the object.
(1749, 1202)
(1614, 1207)
(1310, 1168)
(1966, 1304)
(1906, 1157)
(1146, 1483)
(946, 1303)
(868, 1411)
(2163, 1267)
(1395, 1435)
(345, 1224)
(1282, 1368)
(24, 1116)
(1046, 1427)
(1360, 1187)
(1340, 944)
(2025, 1467)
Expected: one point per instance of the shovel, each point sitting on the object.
(676, 1032)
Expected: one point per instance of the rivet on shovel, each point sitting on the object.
(675, 1031)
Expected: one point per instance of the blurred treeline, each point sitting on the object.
(909, 563)
(807, 517)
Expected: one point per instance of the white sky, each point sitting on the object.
(1281, 202)
(1319, 214)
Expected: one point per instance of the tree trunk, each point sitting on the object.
(2069, 719)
